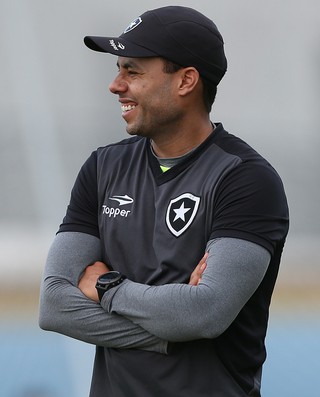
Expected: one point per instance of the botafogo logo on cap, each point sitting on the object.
(133, 25)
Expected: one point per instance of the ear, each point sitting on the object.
(189, 78)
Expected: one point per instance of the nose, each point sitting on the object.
(118, 85)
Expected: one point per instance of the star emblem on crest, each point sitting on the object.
(181, 212)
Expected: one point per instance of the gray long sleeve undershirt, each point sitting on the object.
(64, 309)
(181, 312)
(174, 312)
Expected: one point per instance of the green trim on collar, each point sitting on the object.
(164, 169)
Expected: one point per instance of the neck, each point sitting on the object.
(177, 144)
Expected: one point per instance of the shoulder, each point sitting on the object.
(251, 164)
(120, 154)
(254, 181)
(234, 145)
(129, 143)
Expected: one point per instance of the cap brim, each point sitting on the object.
(117, 46)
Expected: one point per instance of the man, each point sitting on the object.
(189, 218)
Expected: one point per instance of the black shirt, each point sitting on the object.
(122, 196)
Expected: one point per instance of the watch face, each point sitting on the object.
(109, 277)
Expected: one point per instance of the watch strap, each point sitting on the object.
(102, 289)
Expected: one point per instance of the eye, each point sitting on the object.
(132, 72)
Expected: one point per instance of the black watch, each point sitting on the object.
(107, 281)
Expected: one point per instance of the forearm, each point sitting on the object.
(64, 309)
(180, 312)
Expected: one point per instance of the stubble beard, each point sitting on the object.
(161, 123)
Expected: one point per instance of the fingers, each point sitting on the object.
(89, 278)
(196, 275)
(98, 267)
(203, 259)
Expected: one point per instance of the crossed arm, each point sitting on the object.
(65, 309)
(134, 315)
(223, 282)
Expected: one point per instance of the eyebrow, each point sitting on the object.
(128, 64)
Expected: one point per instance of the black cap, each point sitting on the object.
(179, 34)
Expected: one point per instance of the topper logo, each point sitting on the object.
(114, 212)
(122, 200)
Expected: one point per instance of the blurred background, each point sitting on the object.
(56, 109)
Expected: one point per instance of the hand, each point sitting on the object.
(87, 283)
(196, 275)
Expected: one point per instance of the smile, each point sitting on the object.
(127, 108)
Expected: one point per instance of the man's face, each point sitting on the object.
(148, 96)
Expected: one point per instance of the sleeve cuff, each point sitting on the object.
(106, 301)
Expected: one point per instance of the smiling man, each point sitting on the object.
(169, 251)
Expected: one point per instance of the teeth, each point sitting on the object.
(126, 108)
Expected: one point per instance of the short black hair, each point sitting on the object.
(209, 93)
(209, 89)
